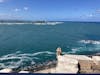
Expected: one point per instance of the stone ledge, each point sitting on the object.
(77, 57)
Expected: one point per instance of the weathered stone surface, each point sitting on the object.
(85, 64)
(78, 57)
(96, 59)
(95, 66)
(67, 60)
(66, 70)
(66, 65)
(6, 70)
(96, 71)
(86, 71)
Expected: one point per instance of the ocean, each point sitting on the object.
(27, 44)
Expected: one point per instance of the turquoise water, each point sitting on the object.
(22, 45)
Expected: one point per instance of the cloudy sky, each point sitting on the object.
(74, 10)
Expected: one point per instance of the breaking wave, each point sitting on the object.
(83, 49)
(19, 59)
(75, 50)
(90, 41)
(85, 46)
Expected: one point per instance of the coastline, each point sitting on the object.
(67, 63)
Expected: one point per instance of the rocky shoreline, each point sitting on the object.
(32, 68)
(40, 66)
(81, 64)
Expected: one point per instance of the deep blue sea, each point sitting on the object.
(22, 45)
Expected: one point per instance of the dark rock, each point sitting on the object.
(97, 54)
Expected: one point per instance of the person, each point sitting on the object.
(59, 51)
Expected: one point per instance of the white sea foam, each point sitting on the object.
(64, 52)
(14, 23)
(74, 50)
(20, 58)
(90, 41)
(49, 23)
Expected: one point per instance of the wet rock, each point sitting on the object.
(43, 66)
(97, 54)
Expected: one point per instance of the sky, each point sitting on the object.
(65, 10)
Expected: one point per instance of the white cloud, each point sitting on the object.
(26, 8)
(98, 11)
(1, 1)
(87, 16)
(16, 9)
(90, 15)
